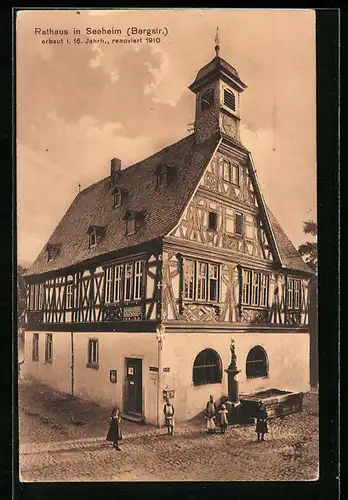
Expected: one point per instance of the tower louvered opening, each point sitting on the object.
(230, 99)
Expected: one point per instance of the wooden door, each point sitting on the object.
(133, 385)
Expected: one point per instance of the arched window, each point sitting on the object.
(230, 99)
(207, 99)
(207, 368)
(257, 363)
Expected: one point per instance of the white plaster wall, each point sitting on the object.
(288, 356)
(94, 384)
(56, 374)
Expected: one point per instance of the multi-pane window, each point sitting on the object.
(69, 296)
(124, 282)
(294, 293)
(35, 353)
(109, 284)
(207, 368)
(256, 363)
(264, 290)
(128, 281)
(212, 221)
(36, 297)
(213, 282)
(230, 172)
(189, 279)
(206, 277)
(239, 223)
(202, 281)
(230, 99)
(49, 348)
(255, 288)
(138, 280)
(93, 352)
(118, 283)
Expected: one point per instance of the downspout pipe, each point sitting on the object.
(160, 338)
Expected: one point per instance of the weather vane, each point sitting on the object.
(217, 42)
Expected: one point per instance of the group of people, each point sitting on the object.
(219, 418)
(214, 417)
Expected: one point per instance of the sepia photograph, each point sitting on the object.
(167, 245)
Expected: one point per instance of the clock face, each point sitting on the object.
(229, 126)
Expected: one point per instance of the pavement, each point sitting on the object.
(63, 439)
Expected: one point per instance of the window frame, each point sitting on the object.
(252, 363)
(35, 347)
(293, 293)
(117, 198)
(138, 276)
(199, 285)
(241, 218)
(128, 279)
(93, 353)
(93, 240)
(210, 226)
(129, 221)
(212, 369)
(255, 288)
(49, 348)
(70, 296)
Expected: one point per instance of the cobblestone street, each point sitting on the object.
(63, 439)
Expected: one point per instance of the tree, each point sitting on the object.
(309, 250)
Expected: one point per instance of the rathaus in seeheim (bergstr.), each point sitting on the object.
(154, 269)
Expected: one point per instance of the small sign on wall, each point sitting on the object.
(113, 376)
(130, 370)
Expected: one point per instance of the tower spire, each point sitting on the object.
(217, 42)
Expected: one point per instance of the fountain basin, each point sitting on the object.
(278, 403)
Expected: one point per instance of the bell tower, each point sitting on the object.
(217, 87)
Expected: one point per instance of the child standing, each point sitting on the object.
(223, 418)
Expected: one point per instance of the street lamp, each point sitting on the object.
(160, 338)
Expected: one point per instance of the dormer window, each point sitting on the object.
(130, 226)
(162, 179)
(229, 99)
(207, 99)
(132, 219)
(95, 234)
(164, 175)
(52, 251)
(117, 198)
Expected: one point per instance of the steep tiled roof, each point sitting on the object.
(162, 206)
(288, 254)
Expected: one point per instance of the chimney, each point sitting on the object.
(115, 168)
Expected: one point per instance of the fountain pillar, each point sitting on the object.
(233, 403)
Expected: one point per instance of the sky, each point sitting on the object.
(81, 104)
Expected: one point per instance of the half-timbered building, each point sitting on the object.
(154, 269)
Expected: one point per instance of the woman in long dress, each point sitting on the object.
(210, 414)
(115, 433)
(223, 418)
(261, 422)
